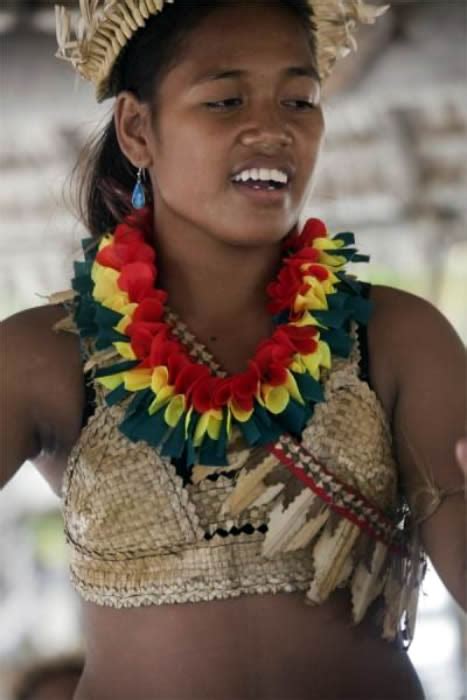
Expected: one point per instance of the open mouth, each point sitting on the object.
(261, 185)
(265, 192)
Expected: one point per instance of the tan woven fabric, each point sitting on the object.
(105, 27)
(138, 536)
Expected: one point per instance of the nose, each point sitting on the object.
(266, 129)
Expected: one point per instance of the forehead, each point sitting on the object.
(245, 35)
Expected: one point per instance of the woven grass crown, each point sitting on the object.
(105, 27)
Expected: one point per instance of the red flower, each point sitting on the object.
(141, 340)
(128, 246)
(284, 291)
(152, 327)
(314, 228)
(302, 257)
(318, 271)
(176, 362)
(272, 352)
(300, 338)
(127, 235)
(163, 347)
(275, 374)
(222, 392)
(150, 309)
(245, 386)
(139, 220)
(116, 255)
(157, 294)
(272, 357)
(137, 279)
(245, 403)
(202, 394)
(189, 376)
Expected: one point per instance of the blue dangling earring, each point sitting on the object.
(138, 198)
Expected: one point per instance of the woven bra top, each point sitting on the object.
(310, 515)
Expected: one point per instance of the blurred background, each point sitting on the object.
(393, 171)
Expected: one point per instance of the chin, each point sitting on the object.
(262, 233)
(252, 239)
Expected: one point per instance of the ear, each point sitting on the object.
(133, 127)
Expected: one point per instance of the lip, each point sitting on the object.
(269, 164)
(262, 196)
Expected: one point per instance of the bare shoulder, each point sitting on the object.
(400, 316)
(406, 332)
(45, 373)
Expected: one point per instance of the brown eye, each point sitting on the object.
(303, 105)
(222, 104)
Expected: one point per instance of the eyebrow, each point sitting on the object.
(293, 71)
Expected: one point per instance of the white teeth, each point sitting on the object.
(262, 174)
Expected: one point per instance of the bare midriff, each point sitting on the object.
(261, 647)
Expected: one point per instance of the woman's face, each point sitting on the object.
(209, 128)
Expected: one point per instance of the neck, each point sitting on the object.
(211, 282)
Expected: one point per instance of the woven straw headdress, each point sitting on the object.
(105, 27)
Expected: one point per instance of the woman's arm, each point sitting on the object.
(19, 436)
(41, 393)
(429, 418)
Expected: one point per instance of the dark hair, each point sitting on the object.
(103, 175)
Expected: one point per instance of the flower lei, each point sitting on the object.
(177, 404)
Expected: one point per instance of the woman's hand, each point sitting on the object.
(461, 454)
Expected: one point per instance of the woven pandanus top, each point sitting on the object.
(313, 514)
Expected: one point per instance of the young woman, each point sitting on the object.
(263, 449)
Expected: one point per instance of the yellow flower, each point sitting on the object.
(327, 244)
(239, 413)
(324, 352)
(334, 261)
(111, 382)
(137, 379)
(328, 285)
(320, 358)
(276, 398)
(314, 298)
(306, 319)
(229, 422)
(159, 383)
(292, 387)
(297, 365)
(105, 281)
(107, 239)
(160, 378)
(175, 410)
(121, 304)
(161, 399)
(210, 422)
(123, 324)
(187, 419)
(125, 350)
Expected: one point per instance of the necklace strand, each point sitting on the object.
(177, 403)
